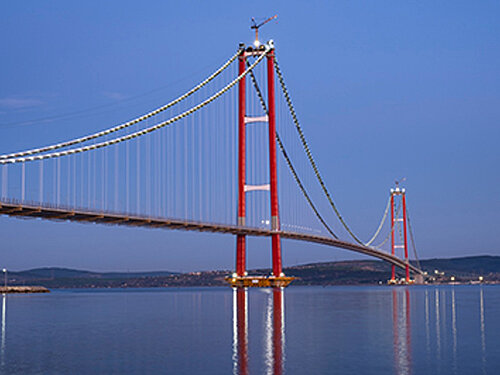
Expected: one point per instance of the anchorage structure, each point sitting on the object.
(240, 278)
(399, 224)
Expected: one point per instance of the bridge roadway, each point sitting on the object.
(18, 209)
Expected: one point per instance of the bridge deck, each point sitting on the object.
(86, 216)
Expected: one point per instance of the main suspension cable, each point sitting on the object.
(381, 223)
(289, 162)
(126, 124)
(308, 153)
(143, 131)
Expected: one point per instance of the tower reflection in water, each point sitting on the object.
(402, 330)
(2, 344)
(274, 332)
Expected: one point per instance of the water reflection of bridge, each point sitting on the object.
(402, 331)
(2, 342)
(274, 332)
(274, 328)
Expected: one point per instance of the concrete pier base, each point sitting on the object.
(259, 281)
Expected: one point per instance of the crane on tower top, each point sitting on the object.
(400, 181)
(256, 27)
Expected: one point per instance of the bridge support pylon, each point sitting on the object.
(399, 223)
(275, 216)
(240, 278)
(240, 238)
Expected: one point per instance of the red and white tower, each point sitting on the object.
(240, 277)
(399, 230)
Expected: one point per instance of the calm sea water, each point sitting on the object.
(301, 330)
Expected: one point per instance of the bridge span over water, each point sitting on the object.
(83, 216)
(206, 161)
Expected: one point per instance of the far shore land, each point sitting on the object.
(466, 270)
(23, 289)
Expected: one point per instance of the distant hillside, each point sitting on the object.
(374, 271)
(54, 272)
(341, 273)
(352, 272)
(464, 267)
(64, 277)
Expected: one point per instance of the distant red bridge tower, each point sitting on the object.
(399, 224)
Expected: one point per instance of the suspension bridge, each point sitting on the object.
(215, 159)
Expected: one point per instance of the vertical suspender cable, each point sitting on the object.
(138, 177)
(88, 181)
(158, 172)
(23, 178)
(94, 194)
(40, 182)
(127, 178)
(54, 182)
(200, 168)
(69, 183)
(82, 188)
(103, 178)
(74, 181)
(4, 181)
(148, 175)
(116, 177)
(185, 172)
(58, 179)
(192, 168)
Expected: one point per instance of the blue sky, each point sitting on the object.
(384, 89)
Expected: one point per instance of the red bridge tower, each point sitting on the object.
(399, 222)
(240, 278)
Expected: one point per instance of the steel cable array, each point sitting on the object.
(143, 131)
(393, 225)
(126, 124)
(412, 239)
(309, 155)
(289, 162)
(294, 173)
